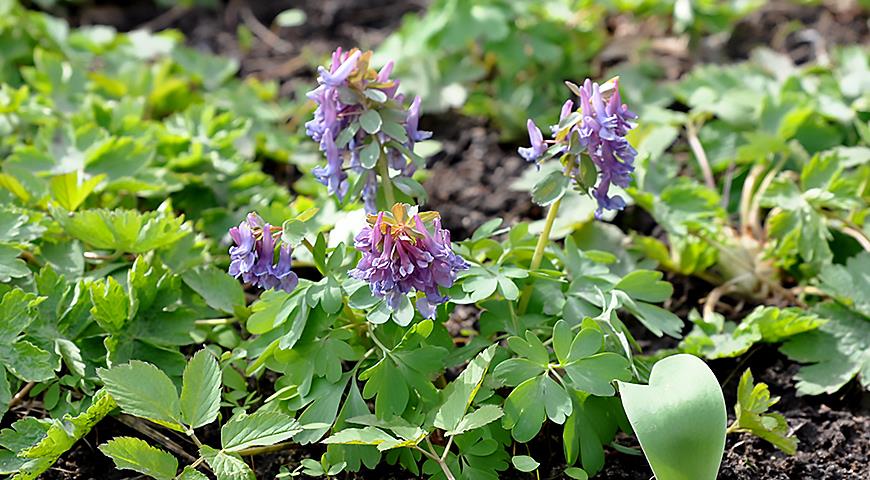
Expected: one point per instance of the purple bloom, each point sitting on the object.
(602, 132)
(401, 256)
(600, 128)
(346, 90)
(332, 175)
(252, 257)
(337, 75)
(413, 120)
(538, 148)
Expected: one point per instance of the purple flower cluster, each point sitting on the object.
(598, 127)
(346, 90)
(252, 257)
(400, 255)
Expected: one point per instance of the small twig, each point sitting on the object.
(166, 18)
(755, 209)
(857, 235)
(700, 154)
(746, 199)
(263, 33)
(155, 435)
(19, 397)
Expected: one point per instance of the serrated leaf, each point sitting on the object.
(122, 230)
(836, 352)
(10, 265)
(142, 390)
(61, 436)
(201, 390)
(190, 473)
(753, 401)
(138, 455)
(226, 466)
(257, 429)
(70, 191)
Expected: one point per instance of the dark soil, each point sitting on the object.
(470, 183)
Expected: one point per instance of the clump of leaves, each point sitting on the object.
(752, 416)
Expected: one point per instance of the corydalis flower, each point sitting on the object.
(346, 91)
(597, 128)
(401, 256)
(252, 256)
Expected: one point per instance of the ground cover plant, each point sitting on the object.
(212, 275)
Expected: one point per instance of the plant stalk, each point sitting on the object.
(384, 172)
(538, 256)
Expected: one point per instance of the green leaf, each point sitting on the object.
(645, 285)
(836, 352)
(576, 473)
(61, 436)
(138, 455)
(219, 290)
(69, 191)
(10, 265)
(460, 394)
(483, 416)
(226, 466)
(123, 230)
(111, 304)
(524, 411)
(362, 436)
(142, 390)
(257, 429)
(752, 417)
(190, 473)
(376, 95)
(550, 188)
(27, 361)
(849, 283)
(370, 154)
(371, 122)
(201, 390)
(292, 17)
(17, 309)
(593, 372)
(411, 188)
(395, 131)
(679, 418)
(525, 463)
(777, 324)
(269, 311)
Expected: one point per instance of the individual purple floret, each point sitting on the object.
(252, 257)
(401, 256)
(597, 128)
(346, 90)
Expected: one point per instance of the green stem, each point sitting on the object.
(384, 171)
(538, 256)
(216, 321)
(266, 449)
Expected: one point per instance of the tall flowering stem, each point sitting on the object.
(405, 252)
(259, 257)
(538, 256)
(362, 125)
(590, 142)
